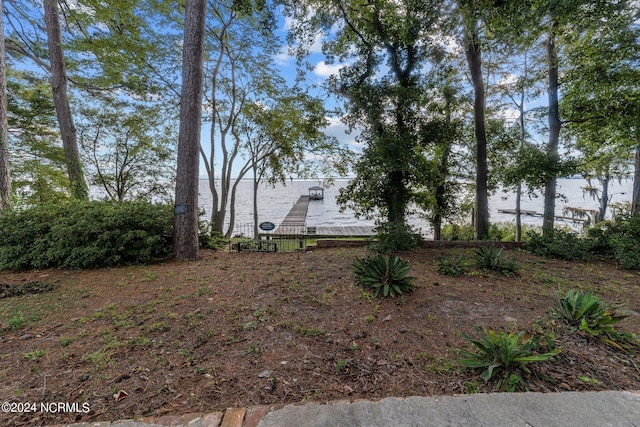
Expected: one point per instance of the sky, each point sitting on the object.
(315, 80)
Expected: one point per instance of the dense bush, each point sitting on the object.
(454, 232)
(561, 244)
(85, 234)
(498, 232)
(395, 237)
(618, 239)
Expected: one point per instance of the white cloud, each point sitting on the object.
(325, 70)
(508, 79)
(283, 58)
(339, 130)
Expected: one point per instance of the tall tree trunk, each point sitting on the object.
(523, 137)
(635, 198)
(554, 136)
(604, 199)
(186, 197)
(78, 185)
(255, 200)
(474, 59)
(5, 175)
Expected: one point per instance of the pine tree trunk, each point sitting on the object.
(5, 175)
(186, 197)
(554, 137)
(635, 199)
(474, 59)
(78, 185)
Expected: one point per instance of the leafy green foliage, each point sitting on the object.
(498, 232)
(452, 266)
(128, 148)
(38, 168)
(85, 235)
(504, 355)
(455, 232)
(387, 276)
(561, 244)
(392, 237)
(493, 258)
(586, 311)
(618, 239)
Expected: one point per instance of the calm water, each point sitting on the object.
(274, 203)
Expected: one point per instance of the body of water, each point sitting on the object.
(275, 202)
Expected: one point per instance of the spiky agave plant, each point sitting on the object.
(504, 354)
(388, 276)
(587, 311)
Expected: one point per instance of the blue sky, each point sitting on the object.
(314, 80)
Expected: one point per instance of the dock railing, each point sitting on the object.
(289, 237)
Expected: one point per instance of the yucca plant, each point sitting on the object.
(452, 266)
(493, 258)
(586, 311)
(504, 354)
(387, 276)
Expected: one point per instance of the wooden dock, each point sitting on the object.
(294, 224)
(352, 231)
(540, 215)
(298, 213)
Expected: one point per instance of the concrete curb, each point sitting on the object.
(579, 409)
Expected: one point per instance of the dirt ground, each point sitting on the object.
(234, 330)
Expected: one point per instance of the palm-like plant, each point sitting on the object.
(506, 354)
(586, 311)
(493, 258)
(387, 276)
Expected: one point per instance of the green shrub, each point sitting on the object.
(493, 258)
(85, 235)
(619, 239)
(560, 244)
(452, 266)
(387, 276)
(585, 311)
(498, 232)
(504, 355)
(208, 239)
(454, 232)
(391, 237)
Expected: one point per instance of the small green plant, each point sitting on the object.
(159, 327)
(33, 355)
(370, 319)
(504, 355)
(249, 325)
(313, 332)
(452, 266)
(387, 276)
(340, 365)
(589, 380)
(585, 311)
(140, 342)
(64, 342)
(17, 321)
(493, 258)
